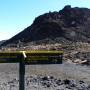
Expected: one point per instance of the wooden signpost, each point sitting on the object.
(30, 57)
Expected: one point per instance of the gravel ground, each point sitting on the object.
(66, 76)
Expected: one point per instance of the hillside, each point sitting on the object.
(2, 41)
(67, 25)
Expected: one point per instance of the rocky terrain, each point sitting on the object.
(66, 30)
(45, 83)
(64, 76)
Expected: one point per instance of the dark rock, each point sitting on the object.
(58, 82)
(88, 87)
(51, 77)
(46, 84)
(66, 81)
(81, 82)
(45, 78)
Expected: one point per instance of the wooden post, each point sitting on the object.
(22, 74)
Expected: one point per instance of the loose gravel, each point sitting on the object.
(46, 77)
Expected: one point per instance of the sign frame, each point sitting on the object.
(21, 57)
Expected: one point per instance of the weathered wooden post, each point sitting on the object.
(22, 72)
(21, 75)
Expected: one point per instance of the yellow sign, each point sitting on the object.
(31, 56)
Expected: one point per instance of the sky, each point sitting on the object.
(16, 15)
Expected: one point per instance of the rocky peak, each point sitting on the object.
(69, 24)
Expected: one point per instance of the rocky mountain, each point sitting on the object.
(2, 41)
(71, 24)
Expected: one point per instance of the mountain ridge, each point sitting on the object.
(69, 24)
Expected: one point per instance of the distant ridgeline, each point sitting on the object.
(67, 25)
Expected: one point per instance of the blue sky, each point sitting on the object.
(15, 15)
